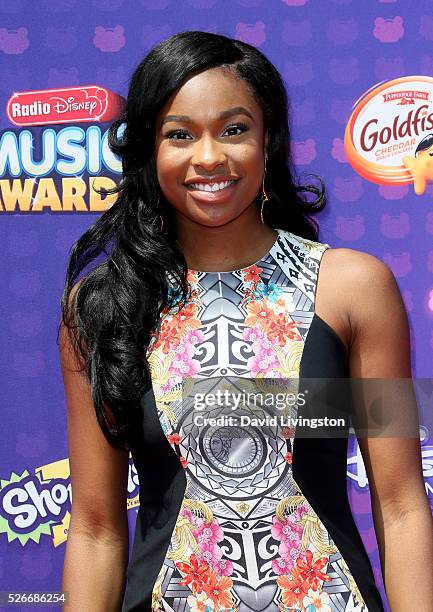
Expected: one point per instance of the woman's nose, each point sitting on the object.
(208, 152)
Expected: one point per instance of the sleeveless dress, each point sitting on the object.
(240, 516)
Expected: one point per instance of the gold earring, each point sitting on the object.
(264, 194)
(160, 216)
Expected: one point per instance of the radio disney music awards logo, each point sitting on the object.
(389, 136)
(70, 105)
(38, 503)
(56, 158)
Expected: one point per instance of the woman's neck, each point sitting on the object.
(230, 247)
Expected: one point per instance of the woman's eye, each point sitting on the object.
(175, 133)
(178, 134)
(237, 126)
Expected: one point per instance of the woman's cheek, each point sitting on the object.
(173, 167)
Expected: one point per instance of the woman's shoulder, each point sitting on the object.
(361, 285)
(357, 267)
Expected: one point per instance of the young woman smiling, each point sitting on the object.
(212, 271)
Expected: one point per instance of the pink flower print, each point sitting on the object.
(198, 521)
(289, 533)
(282, 566)
(194, 336)
(209, 533)
(294, 524)
(252, 334)
(211, 553)
(301, 510)
(186, 513)
(277, 527)
(263, 345)
(286, 530)
(262, 363)
(167, 386)
(223, 567)
(289, 549)
(185, 349)
(184, 367)
(301, 555)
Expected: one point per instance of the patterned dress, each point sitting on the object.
(238, 512)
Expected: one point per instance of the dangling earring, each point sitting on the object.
(160, 216)
(264, 194)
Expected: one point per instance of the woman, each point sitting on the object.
(213, 272)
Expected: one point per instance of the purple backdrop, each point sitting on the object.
(329, 54)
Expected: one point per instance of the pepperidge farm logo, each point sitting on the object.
(389, 136)
(69, 105)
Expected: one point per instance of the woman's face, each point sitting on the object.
(210, 132)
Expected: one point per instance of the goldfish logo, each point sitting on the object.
(389, 136)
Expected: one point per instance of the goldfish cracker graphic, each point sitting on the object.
(421, 165)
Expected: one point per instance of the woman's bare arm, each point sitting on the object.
(380, 349)
(97, 547)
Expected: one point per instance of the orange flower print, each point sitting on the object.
(218, 588)
(169, 334)
(186, 318)
(312, 572)
(288, 457)
(258, 313)
(191, 277)
(183, 461)
(174, 328)
(288, 432)
(174, 438)
(248, 295)
(293, 589)
(280, 328)
(318, 599)
(253, 274)
(195, 574)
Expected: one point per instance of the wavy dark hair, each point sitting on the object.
(114, 310)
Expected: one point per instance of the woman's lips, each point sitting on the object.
(222, 195)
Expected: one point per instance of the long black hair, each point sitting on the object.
(114, 310)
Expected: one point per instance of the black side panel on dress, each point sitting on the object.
(320, 463)
(162, 486)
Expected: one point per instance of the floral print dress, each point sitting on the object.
(246, 536)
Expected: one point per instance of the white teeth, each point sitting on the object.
(210, 187)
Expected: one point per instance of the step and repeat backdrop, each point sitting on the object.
(360, 83)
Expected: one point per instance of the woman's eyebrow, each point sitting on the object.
(237, 110)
